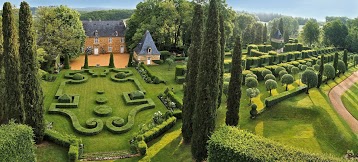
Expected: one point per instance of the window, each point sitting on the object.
(96, 40)
(122, 40)
(149, 50)
(96, 33)
(109, 49)
(110, 40)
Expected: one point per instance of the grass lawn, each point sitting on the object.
(49, 152)
(350, 100)
(301, 121)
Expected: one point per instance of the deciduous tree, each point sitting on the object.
(270, 85)
(311, 32)
(309, 78)
(287, 79)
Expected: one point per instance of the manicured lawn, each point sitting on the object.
(350, 100)
(49, 152)
(305, 121)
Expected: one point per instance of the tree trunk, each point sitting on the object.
(286, 87)
(270, 93)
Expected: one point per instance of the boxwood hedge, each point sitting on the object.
(234, 145)
(273, 100)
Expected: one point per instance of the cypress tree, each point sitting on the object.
(85, 66)
(13, 93)
(286, 37)
(2, 84)
(222, 56)
(264, 34)
(208, 85)
(130, 60)
(345, 58)
(280, 26)
(320, 74)
(192, 73)
(67, 62)
(335, 62)
(233, 101)
(111, 61)
(33, 96)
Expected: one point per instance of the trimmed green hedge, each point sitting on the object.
(136, 82)
(75, 122)
(234, 145)
(150, 73)
(180, 70)
(177, 100)
(142, 147)
(65, 98)
(128, 100)
(102, 110)
(135, 95)
(131, 116)
(65, 141)
(74, 104)
(101, 100)
(180, 79)
(159, 129)
(16, 143)
(273, 100)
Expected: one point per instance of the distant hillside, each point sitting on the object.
(114, 14)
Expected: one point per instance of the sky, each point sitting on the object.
(304, 8)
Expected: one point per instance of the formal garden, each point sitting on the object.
(225, 96)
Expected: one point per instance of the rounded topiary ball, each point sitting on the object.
(101, 100)
(120, 75)
(78, 76)
(100, 92)
(102, 110)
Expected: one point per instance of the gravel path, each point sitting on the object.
(120, 61)
(335, 98)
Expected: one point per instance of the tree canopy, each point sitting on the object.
(311, 32)
(115, 14)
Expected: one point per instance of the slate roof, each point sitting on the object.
(277, 35)
(104, 28)
(145, 43)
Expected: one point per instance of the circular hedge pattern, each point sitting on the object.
(102, 110)
(101, 100)
(91, 123)
(100, 92)
(78, 76)
(120, 75)
(117, 121)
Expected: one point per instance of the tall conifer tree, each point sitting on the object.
(111, 61)
(320, 74)
(264, 34)
(66, 64)
(222, 54)
(2, 80)
(335, 63)
(208, 85)
(192, 73)
(345, 57)
(33, 96)
(85, 66)
(13, 93)
(233, 101)
(280, 26)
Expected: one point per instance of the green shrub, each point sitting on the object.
(177, 114)
(100, 92)
(101, 100)
(136, 95)
(17, 143)
(250, 47)
(270, 76)
(117, 121)
(234, 145)
(251, 82)
(177, 100)
(120, 75)
(73, 153)
(78, 76)
(180, 70)
(180, 79)
(65, 98)
(142, 147)
(273, 100)
(102, 110)
(159, 129)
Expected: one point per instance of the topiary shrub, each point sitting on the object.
(65, 98)
(102, 110)
(78, 76)
(120, 75)
(136, 95)
(283, 72)
(100, 92)
(251, 82)
(101, 100)
(142, 147)
(270, 76)
(91, 123)
(16, 143)
(253, 111)
(117, 121)
(265, 72)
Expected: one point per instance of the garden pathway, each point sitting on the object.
(335, 97)
(120, 61)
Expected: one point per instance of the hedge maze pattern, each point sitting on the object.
(94, 126)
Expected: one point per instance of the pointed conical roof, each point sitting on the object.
(146, 43)
(277, 35)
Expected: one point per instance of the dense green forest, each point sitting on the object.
(115, 14)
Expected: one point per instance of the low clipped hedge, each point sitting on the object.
(133, 102)
(73, 104)
(102, 110)
(256, 53)
(178, 114)
(65, 98)
(159, 129)
(65, 141)
(120, 75)
(150, 73)
(273, 100)
(177, 100)
(75, 122)
(180, 70)
(101, 100)
(234, 145)
(135, 95)
(180, 79)
(142, 147)
(78, 76)
(16, 143)
(136, 82)
(131, 116)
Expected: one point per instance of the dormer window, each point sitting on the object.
(96, 40)
(96, 33)
(110, 40)
(116, 34)
(149, 50)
